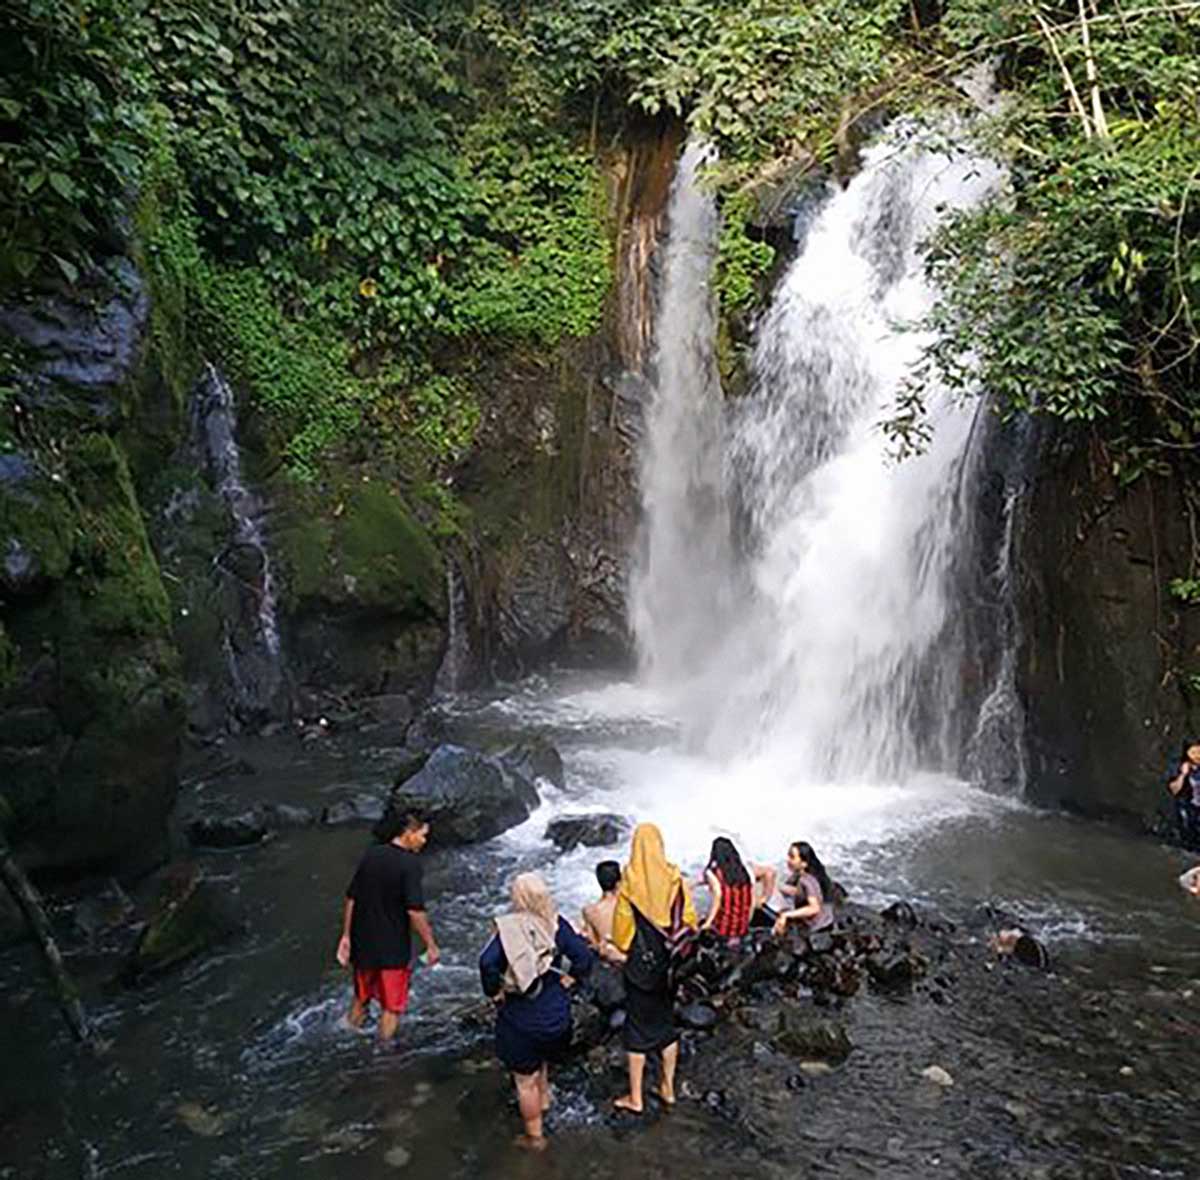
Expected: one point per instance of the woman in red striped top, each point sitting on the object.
(732, 891)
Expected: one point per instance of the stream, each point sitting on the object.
(239, 1063)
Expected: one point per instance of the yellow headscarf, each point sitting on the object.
(649, 884)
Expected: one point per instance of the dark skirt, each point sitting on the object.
(525, 1051)
(649, 1020)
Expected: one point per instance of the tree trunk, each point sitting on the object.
(26, 896)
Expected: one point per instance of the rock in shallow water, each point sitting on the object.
(191, 915)
(811, 1038)
(592, 831)
(466, 796)
(362, 808)
(229, 831)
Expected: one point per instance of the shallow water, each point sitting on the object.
(239, 1065)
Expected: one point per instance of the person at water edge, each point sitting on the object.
(654, 910)
(732, 889)
(808, 888)
(385, 902)
(520, 969)
(1185, 790)
(598, 916)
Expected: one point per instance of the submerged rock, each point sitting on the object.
(593, 831)
(811, 1038)
(361, 808)
(190, 916)
(229, 831)
(466, 796)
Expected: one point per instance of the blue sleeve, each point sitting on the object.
(575, 947)
(492, 966)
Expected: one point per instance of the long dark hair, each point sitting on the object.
(815, 867)
(724, 857)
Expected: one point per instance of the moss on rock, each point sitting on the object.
(120, 578)
(360, 546)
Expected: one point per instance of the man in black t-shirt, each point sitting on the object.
(385, 902)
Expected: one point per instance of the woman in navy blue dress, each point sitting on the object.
(527, 967)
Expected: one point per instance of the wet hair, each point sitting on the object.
(608, 875)
(396, 823)
(815, 867)
(724, 856)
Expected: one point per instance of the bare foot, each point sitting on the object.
(530, 1142)
(667, 1096)
(625, 1102)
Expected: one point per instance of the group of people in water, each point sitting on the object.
(644, 921)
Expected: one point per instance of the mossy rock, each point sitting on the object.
(37, 528)
(121, 579)
(361, 546)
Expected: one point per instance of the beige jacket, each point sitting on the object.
(528, 949)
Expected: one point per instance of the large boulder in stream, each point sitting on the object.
(592, 830)
(189, 916)
(466, 796)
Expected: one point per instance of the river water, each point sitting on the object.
(239, 1065)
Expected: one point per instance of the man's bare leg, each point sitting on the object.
(529, 1100)
(633, 1100)
(666, 1087)
(544, 1087)
(388, 1023)
(357, 1013)
(765, 878)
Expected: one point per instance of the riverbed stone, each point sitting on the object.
(229, 831)
(467, 796)
(363, 807)
(599, 830)
(811, 1038)
(190, 915)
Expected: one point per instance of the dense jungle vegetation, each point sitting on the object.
(348, 200)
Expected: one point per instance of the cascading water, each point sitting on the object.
(818, 643)
(454, 663)
(686, 552)
(251, 631)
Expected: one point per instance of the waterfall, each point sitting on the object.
(453, 668)
(681, 585)
(829, 638)
(251, 629)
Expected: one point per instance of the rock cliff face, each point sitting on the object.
(551, 483)
(132, 575)
(90, 691)
(1105, 648)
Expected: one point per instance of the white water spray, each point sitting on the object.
(815, 649)
(252, 645)
(686, 559)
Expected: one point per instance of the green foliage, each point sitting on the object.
(1186, 590)
(1076, 296)
(73, 127)
(742, 260)
(540, 267)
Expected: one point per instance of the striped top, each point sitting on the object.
(737, 904)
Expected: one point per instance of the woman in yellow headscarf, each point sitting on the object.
(653, 904)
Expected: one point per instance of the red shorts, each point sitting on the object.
(388, 985)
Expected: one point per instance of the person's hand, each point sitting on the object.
(780, 926)
(343, 951)
(433, 955)
(568, 981)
